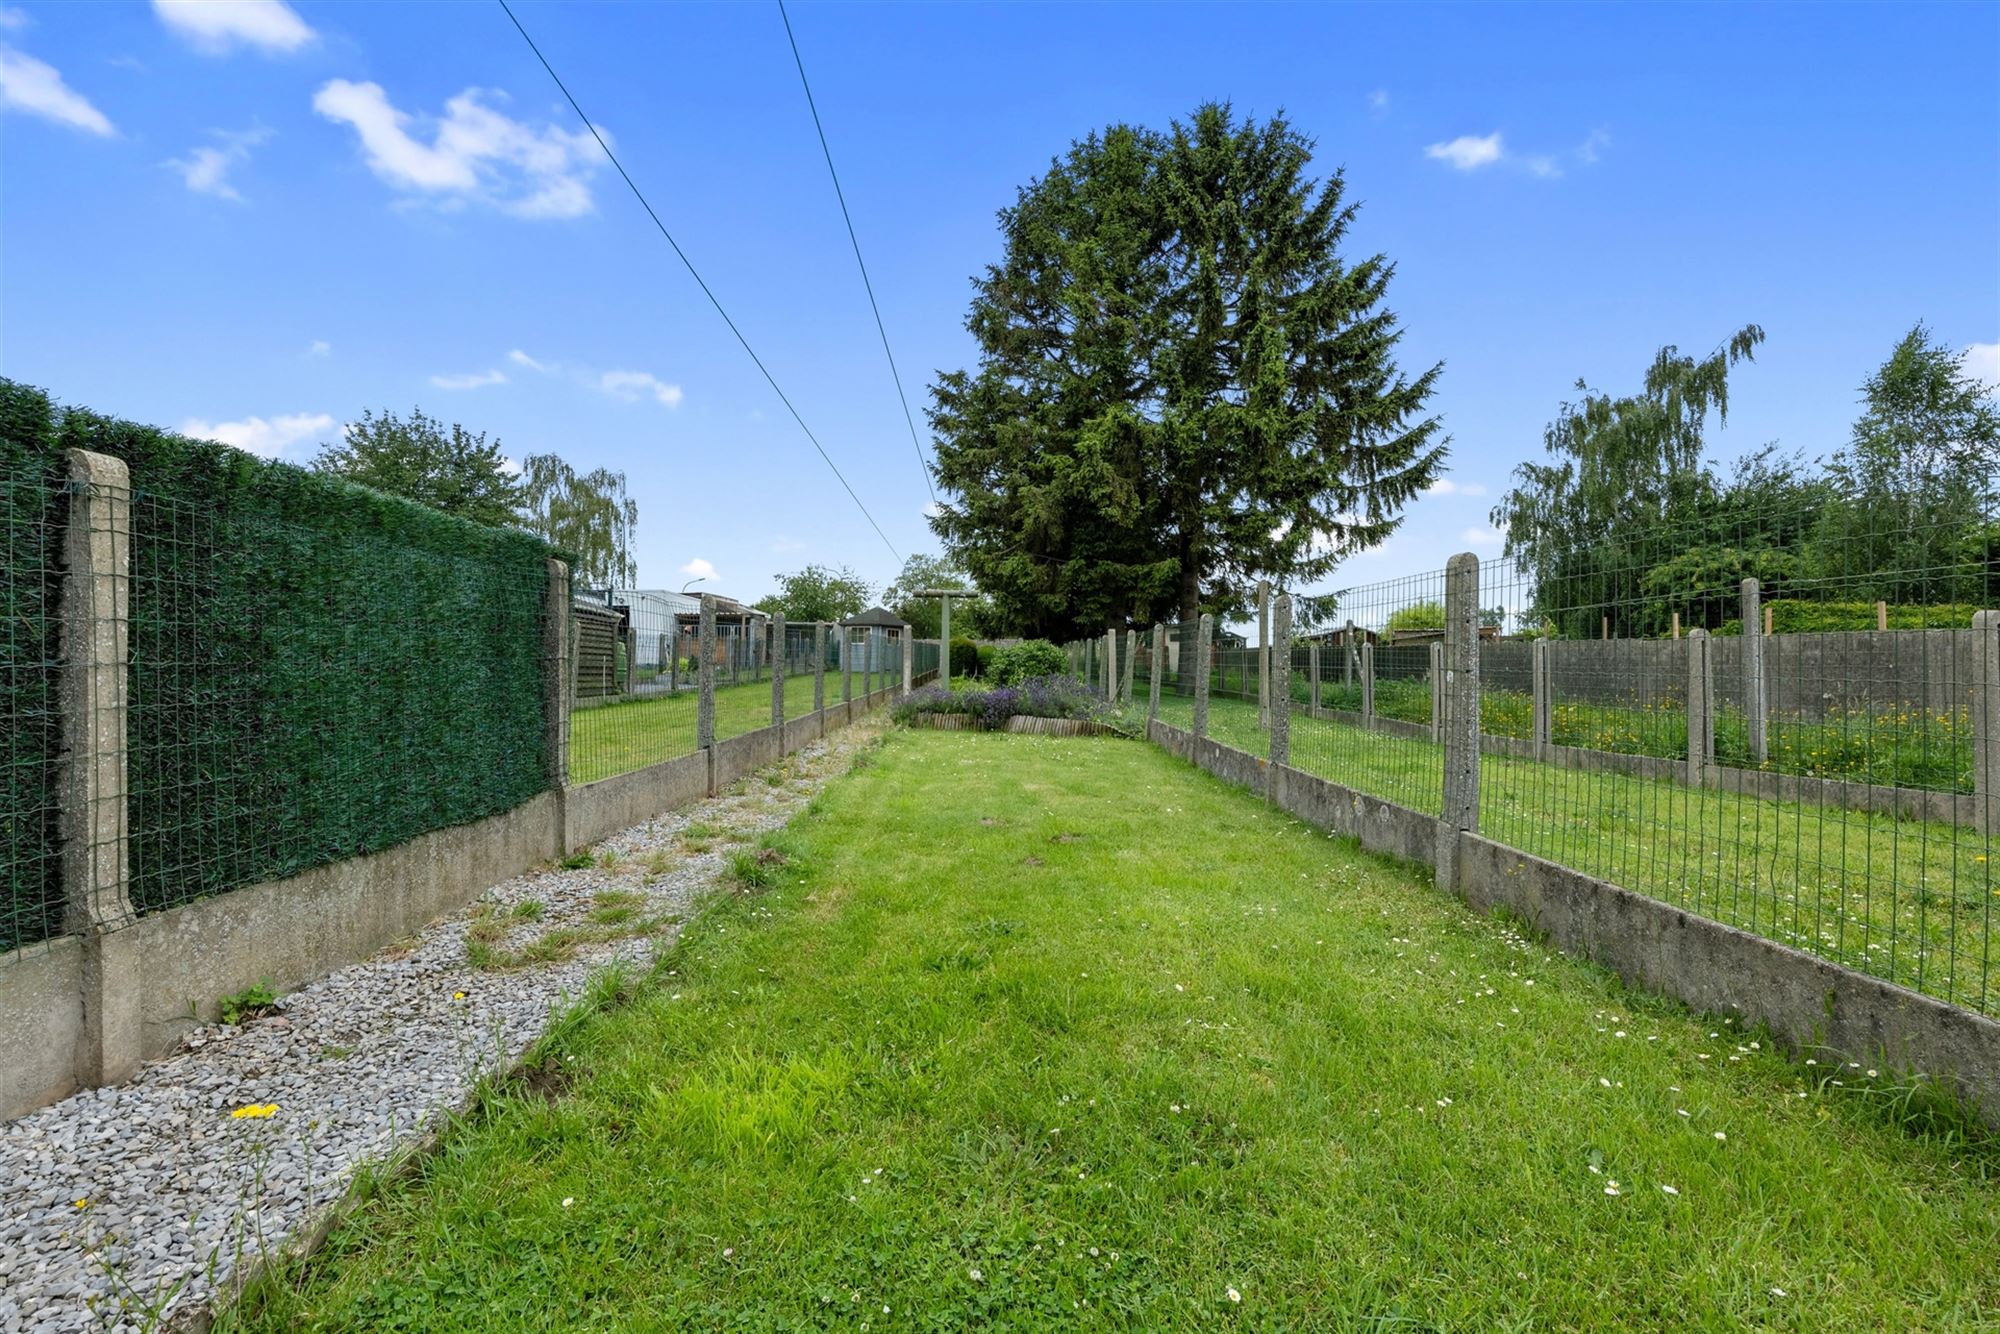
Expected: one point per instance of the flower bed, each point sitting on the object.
(1046, 697)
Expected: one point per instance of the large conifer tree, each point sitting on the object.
(1182, 387)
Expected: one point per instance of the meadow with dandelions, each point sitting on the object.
(1019, 1033)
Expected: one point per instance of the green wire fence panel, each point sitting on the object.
(31, 892)
(309, 688)
(1364, 690)
(314, 670)
(634, 681)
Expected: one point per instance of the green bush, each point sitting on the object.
(964, 658)
(317, 670)
(1418, 616)
(1027, 660)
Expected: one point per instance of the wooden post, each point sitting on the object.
(1881, 616)
(1677, 625)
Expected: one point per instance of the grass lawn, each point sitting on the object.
(1027, 1033)
(618, 738)
(1910, 900)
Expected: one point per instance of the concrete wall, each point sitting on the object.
(1805, 1001)
(175, 966)
(1810, 677)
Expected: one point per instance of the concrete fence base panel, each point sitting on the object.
(1807, 1003)
(168, 971)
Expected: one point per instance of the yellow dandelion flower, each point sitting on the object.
(254, 1111)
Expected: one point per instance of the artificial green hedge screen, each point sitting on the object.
(317, 670)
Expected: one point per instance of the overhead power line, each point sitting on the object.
(855, 241)
(694, 273)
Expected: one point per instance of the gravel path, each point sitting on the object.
(117, 1204)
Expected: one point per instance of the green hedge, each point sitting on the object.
(1796, 616)
(318, 670)
(30, 874)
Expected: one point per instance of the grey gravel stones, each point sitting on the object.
(113, 1196)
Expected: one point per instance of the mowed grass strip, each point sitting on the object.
(1022, 1033)
(611, 739)
(1913, 901)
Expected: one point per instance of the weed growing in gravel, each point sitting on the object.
(249, 1003)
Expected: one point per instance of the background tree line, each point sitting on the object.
(461, 472)
(1627, 519)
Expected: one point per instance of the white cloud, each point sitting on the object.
(319, 348)
(475, 152)
(698, 569)
(13, 20)
(1470, 152)
(510, 467)
(1482, 537)
(27, 84)
(1378, 102)
(206, 169)
(785, 544)
(259, 436)
(1982, 363)
(634, 385)
(520, 358)
(218, 26)
(470, 380)
(1444, 486)
(1467, 152)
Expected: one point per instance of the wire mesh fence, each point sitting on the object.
(1817, 761)
(303, 693)
(31, 891)
(636, 706)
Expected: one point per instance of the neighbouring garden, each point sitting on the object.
(1018, 1033)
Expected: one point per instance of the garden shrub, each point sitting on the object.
(1037, 697)
(964, 658)
(1029, 659)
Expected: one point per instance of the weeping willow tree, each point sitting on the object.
(587, 514)
(1625, 487)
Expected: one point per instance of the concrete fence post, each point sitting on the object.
(704, 714)
(1437, 691)
(1755, 697)
(1204, 635)
(909, 656)
(1347, 656)
(1700, 708)
(556, 670)
(777, 670)
(1367, 685)
(1543, 700)
(819, 666)
(1312, 677)
(1461, 711)
(944, 640)
(1264, 653)
(847, 670)
(1111, 665)
(1153, 675)
(1279, 656)
(96, 606)
(1986, 721)
(631, 660)
(1131, 666)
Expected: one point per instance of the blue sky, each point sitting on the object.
(257, 220)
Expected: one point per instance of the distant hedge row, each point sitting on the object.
(1798, 616)
(317, 670)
